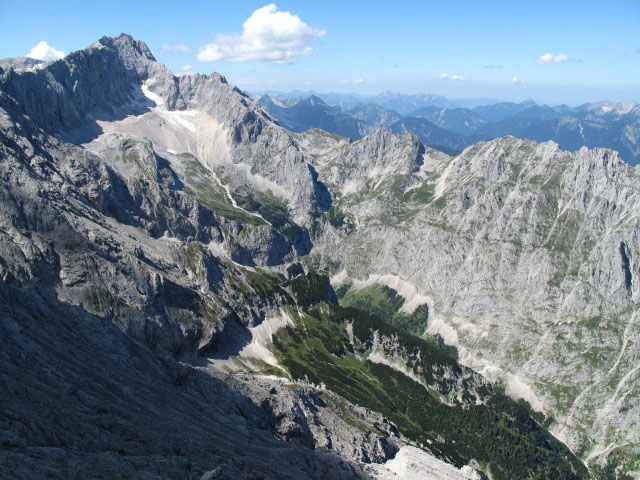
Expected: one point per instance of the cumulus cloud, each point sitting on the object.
(446, 76)
(548, 59)
(186, 67)
(268, 35)
(44, 51)
(517, 81)
(179, 47)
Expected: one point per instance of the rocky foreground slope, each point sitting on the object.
(162, 239)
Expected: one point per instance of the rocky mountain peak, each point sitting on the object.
(313, 100)
(93, 81)
(22, 64)
(127, 46)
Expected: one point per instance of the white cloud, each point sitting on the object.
(179, 47)
(44, 51)
(357, 80)
(517, 81)
(609, 47)
(446, 76)
(186, 67)
(548, 59)
(268, 35)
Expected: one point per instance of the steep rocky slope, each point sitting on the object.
(526, 257)
(124, 266)
(82, 400)
(177, 210)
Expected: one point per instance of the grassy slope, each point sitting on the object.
(385, 302)
(476, 422)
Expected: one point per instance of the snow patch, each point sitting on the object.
(197, 133)
(175, 132)
(411, 463)
(155, 98)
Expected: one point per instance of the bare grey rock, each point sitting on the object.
(131, 198)
(525, 254)
(82, 400)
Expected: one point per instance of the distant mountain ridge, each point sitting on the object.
(302, 114)
(601, 124)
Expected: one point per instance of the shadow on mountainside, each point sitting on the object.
(82, 400)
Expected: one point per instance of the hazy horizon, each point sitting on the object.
(290, 94)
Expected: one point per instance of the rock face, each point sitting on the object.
(432, 135)
(119, 259)
(82, 400)
(577, 128)
(147, 222)
(22, 64)
(526, 256)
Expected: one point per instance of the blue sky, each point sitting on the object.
(555, 52)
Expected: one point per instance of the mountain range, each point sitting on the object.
(191, 288)
(440, 123)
